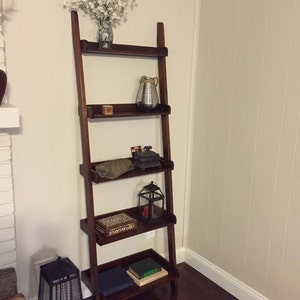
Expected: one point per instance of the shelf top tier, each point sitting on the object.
(127, 50)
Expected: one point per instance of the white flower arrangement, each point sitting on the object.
(103, 12)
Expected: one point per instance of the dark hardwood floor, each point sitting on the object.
(191, 286)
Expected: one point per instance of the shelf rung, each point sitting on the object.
(127, 50)
(142, 226)
(124, 262)
(166, 165)
(94, 111)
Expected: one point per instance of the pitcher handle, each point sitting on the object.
(155, 81)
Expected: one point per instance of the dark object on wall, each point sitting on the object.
(59, 280)
(3, 83)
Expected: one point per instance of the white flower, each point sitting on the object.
(104, 12)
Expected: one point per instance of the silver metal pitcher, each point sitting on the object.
(147, 97)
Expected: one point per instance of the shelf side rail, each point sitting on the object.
(162, 72)
(86, 156)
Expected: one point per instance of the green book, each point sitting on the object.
(144, 268)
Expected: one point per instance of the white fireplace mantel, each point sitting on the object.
(9, 116)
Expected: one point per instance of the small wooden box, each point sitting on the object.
(115, 224)
(107, 110)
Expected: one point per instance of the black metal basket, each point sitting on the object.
(59, 280)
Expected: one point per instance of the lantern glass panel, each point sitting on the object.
(151, 203)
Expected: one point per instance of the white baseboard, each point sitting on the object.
(222, 278)
(180, 255)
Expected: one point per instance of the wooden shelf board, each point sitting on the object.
(125, 110)
(166, 165)
(142, 226)
(126, 50)
(124, 262)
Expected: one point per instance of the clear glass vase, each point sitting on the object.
(105, 36)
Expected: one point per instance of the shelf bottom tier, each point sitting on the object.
(173, 274)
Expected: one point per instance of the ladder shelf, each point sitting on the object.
(88, 112)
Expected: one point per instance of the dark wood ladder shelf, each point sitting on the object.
(89, 113)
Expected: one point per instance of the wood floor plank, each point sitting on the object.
(192, 285)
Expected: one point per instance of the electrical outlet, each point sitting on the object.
(150, 234)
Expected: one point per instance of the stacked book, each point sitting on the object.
(145, 271)
(114, 280)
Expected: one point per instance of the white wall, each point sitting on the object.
(46, 153)
(245, 179)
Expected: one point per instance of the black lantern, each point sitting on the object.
(151, 203)
(59, 280)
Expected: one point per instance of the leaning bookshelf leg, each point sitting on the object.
(174, 287)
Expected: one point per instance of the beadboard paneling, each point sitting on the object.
(246, 155)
